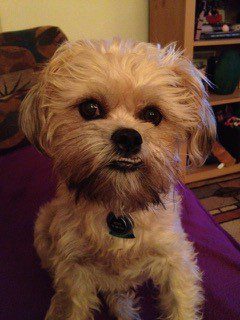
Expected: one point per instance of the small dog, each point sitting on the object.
(112, 115)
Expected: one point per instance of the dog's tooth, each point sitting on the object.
(128, 161)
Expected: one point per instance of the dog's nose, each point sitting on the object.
(127, 141)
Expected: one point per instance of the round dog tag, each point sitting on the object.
(120, 226)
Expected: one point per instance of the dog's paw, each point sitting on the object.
(129, 315)
(135, 317)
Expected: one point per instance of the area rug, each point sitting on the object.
(221, 197)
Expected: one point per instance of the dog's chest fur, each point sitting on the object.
(82, 233)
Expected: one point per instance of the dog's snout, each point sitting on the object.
(127, 141)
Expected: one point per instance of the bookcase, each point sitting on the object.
(174, 20)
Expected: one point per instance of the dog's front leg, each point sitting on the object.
(76, 294)
(122, 305)
(178, 278)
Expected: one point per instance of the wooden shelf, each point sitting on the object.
(209, 172)
(220, 42)
(174, 21)
(216, 99)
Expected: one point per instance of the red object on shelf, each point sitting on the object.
(214, 18)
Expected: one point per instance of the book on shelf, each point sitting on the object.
(219, 35)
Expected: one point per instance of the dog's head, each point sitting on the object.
(112, 116)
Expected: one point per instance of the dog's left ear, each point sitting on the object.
(202, 136)
(199, 122)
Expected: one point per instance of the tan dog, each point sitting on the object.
(111, 115)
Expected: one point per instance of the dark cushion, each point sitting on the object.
(17, 67)
(27, 182)
(42, 41)
(22, 54)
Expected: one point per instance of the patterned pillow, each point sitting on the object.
(13, 88)
(22, 54)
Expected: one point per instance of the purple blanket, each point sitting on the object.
(26, 182)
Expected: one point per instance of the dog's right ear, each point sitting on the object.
(32, 118)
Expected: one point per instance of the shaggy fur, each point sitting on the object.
(71, 233)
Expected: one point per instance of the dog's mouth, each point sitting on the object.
(126, 164)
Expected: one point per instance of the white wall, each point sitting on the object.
(79, 18)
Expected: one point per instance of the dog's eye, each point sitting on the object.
(151, 114)
(91, 110)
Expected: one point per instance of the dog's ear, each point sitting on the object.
(197, 117)
(203, 132)
(202, 136)
(32, 117)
